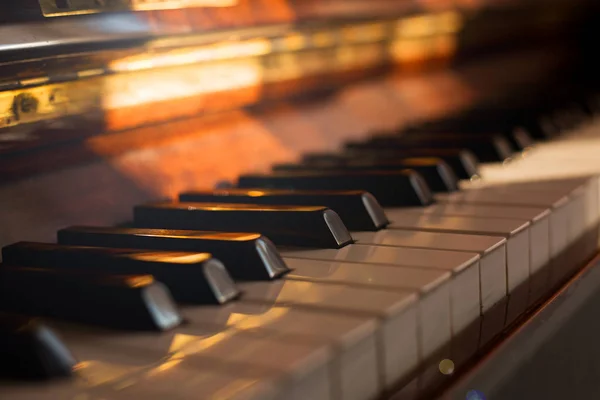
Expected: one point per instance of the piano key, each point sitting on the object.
(437, 174)
(353, 371)
(432, 287)
(492, 275)
(395, 311)
(519, 140)
(191, 277)
(539, 233)
(588, 184)
(299, 369)
(359, 210)
(195, 338)
(462, 161)
(358, 351)
(571, 217)
(114, 301)
(517, 248)
(465, 290)
(31, 351)
(248, 256)
(398, 188)
(152, 383)
(284, 225)
(486, 148)
(125, 364)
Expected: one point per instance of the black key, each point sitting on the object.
(391, 189)
(482, 126)
(463, 162)
(359, 210)
(486, 148)
(437, 174)
(521, 139)
(536, 128)
(284, 225)
(135, 302)
(31, 351)
(248, 256)
(191, 277)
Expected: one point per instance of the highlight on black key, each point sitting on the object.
(400, 188)
(247, 256)
(306, 226)
(191, 277)
(359, 210)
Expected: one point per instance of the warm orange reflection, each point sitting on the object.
(168, 159)
(233, 206)
(233, 236)
(52, 8)
(140, 281)
(96, 373)
(422, 161)
(419, 26)
(152, 86)
(255, 193)
(176, 4)
(172, 257)
(407, 51)
(247, 322)
(449, 22)
(183, 56)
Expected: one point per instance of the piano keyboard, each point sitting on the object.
(259, 292)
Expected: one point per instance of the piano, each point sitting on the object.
(267, 200)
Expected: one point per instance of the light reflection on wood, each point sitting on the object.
(116, 171)
(169, 158)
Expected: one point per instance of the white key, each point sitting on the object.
(356, 359)
(492, 275)
(539, 233)
(396, 311)
(568, 224)
(464, 291)
(353, 339)
(115, 356)
(432, 287)
(115, 374)
(517, 247)
(542, 167)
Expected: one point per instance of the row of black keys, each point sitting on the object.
(92, 276)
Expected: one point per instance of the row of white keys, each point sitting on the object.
(516, 232)
(572, 158)
(396, 312)
(111, 369)
(432, 287)
(463, 267)
(434, 308)
(573, 219)
(367, 354)
(234, 340)
(575, 169)
(539, 233)
(492, 277)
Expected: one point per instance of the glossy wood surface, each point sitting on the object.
(96, 180)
